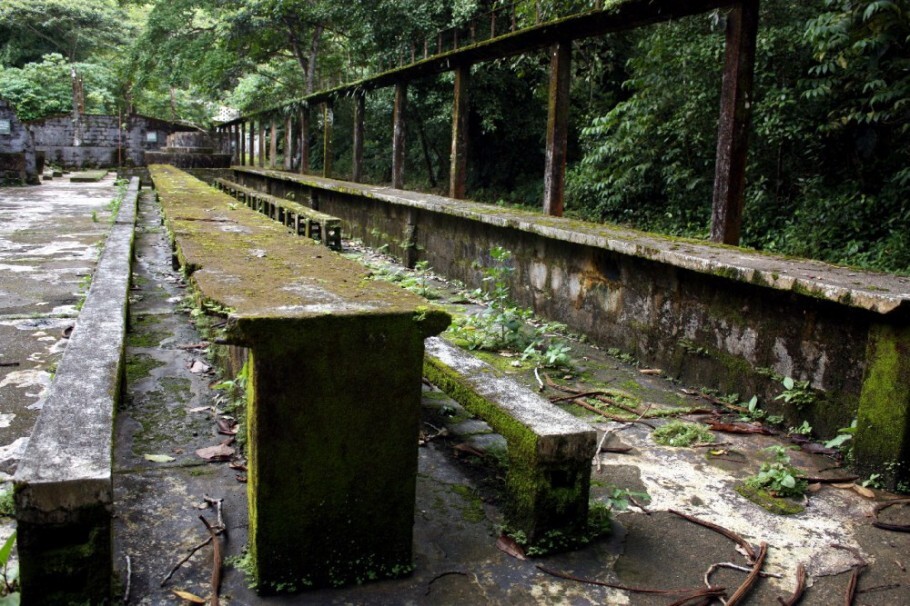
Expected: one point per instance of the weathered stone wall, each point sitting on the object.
(98, 141)
(18, 163)
(711, 316)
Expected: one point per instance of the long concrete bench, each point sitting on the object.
(334, 365)
(63, 484)
(301, 220)
(549, 450)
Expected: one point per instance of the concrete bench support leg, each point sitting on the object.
(332, 449)
(883, 419)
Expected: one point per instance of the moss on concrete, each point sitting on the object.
(883, 420)
(764, 499)
(139, 366)
(541, 495)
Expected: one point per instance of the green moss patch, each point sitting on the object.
(768, 502)
(681, 434)
(139, 366)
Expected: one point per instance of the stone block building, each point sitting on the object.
(18, 160)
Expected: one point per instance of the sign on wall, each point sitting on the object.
(151, 136)
(5, 127)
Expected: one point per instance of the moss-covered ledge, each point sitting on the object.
(714, 316)
(334, 382)
(881, 293)
(549, 450)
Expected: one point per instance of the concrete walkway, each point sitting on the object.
(161, 486)
(50, 239)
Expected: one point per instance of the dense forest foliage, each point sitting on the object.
(829, 160)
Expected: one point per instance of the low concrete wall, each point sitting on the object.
(18, 161)
(713, 316)
(99, 141)
(63, 484)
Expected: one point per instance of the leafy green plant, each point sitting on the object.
(779, 477)
(754, 412)
(9, 592)
(682, 434)
(797, 393)
(805, 429)
(843, 438)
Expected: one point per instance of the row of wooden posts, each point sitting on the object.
(733, 123)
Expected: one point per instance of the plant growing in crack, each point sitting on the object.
(779, 477)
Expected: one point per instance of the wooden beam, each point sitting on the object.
(357, 163)
(458, 165)
(273, 143)
(305, 140)
(238, 138)
(624, 16)
(554, 179)
(733, 127)
(289, 143)
(399, 124)
(328, 119)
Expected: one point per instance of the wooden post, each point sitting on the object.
(273, 143)
(288, 143)
(238, 142)
(261, 154)
(359, 110)
(328, 117)
(733, 127)
(458, 166)
(242, 146)
(304, 140)
(398, 131)
(554, 179)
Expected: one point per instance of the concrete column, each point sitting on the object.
(261, 154)
(398, 131)
(242, 145)
(554, 179)
(328, 119)
(733, 126)
(357, 165)
(252, 160)
(304, 140)
(883, 419)
(458, 166)
(273, 143)
(288, 143)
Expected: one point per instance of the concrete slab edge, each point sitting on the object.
(560, 436)
(64, 478)
(812, 278)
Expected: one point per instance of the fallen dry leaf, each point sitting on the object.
(468, 449)
(199, 367)
(863, 491)
(237, 465)
(226, 427)
(200, 409)
(843, 485)
(221, 452)
(738, 428)
(508, 546)
(158, 458)
(241, 477)
(649, 371)
(814, 487)
(189, 597)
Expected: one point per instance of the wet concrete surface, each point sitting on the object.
(170, 410)
(50, 239)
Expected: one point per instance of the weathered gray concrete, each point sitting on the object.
(63, 486)
(18, 163)
(724, 317)
(550, 450)
(49, 245)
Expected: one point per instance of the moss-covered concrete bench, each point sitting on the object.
(63, 484)
(300, 219)
(334, 363)
(549, 450)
